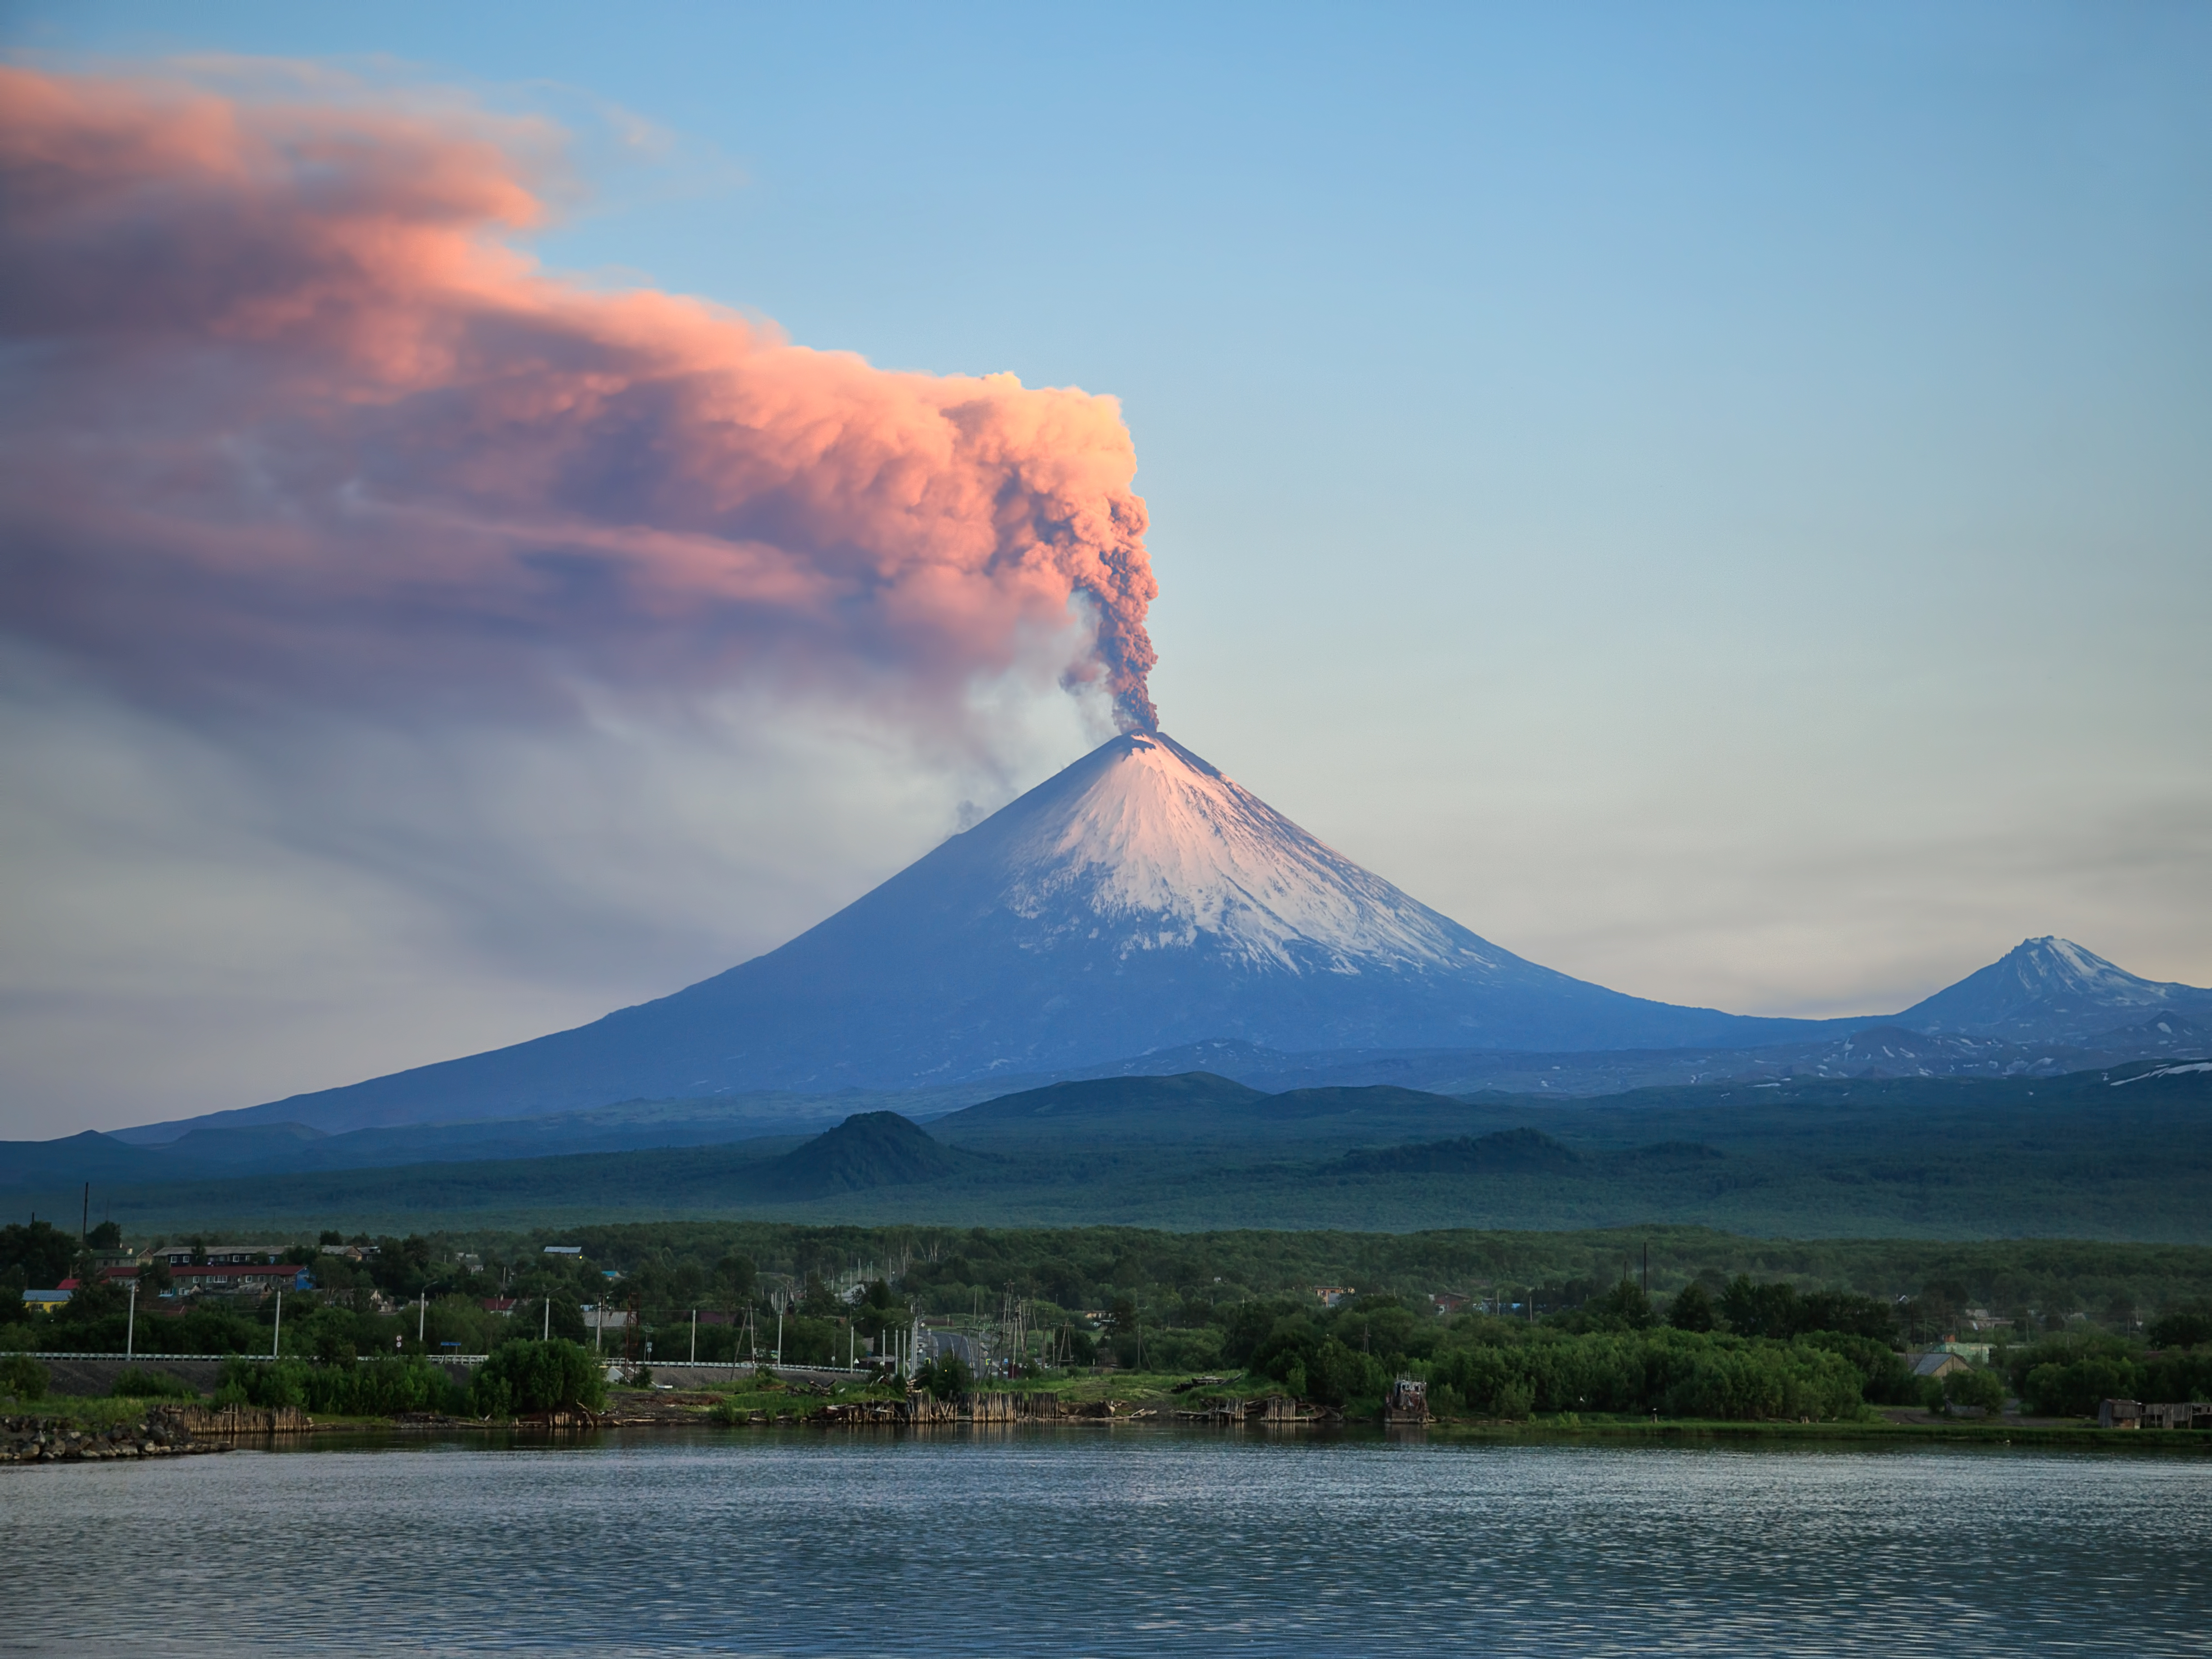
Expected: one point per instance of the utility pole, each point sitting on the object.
(548, 1306)
(130, 1322)
(695, 1336)
(421, 1314)
(276, 1336)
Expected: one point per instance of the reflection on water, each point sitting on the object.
(1110, 1542)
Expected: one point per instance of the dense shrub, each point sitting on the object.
(1692, 1309)
(22, 1377)
(2185, 1327)
(376, 1387)
(947, 1377)
(1975, 1388)
(2073, 1389)
(1682, 1373)
(537, 1376)
(1884, 1378)
(1778, 1311)
(1171, 1350)
(1339, 1375)
(2178, 1376)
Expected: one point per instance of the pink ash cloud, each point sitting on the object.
(289, 416)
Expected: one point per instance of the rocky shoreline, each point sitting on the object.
(161, 1433)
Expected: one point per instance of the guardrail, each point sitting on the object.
(479, 1360)
(450, 1359)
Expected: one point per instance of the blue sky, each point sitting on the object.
(1713, 498)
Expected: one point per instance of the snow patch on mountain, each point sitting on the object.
(1162, 851)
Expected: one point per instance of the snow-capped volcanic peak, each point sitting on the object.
(2050, 989)
(2055, 967)
(1149, 848)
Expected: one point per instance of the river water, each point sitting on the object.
(1116, 1541)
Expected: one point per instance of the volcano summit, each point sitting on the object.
(1137, 901)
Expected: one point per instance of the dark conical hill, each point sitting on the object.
(869, 1149)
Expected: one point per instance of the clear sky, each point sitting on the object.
(1717, 499)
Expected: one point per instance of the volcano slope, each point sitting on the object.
(1138, 900)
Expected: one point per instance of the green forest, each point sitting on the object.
(1497, 1323)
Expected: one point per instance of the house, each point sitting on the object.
(1330, 1295)
(564, 1249)
(469, 1261)
(504, 1306)
(219, 1256)
(1938, 1362)
(1976, 1352)
(2135, 1415)
(241, 1279)
(350, 1252)
(1449, 1302)
(47, 1301)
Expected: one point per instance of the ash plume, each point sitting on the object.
(289, 420)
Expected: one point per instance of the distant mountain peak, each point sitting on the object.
(2049, 990)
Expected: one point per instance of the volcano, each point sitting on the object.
(2052, 990)
(1138, 900)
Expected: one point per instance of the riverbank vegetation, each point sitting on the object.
(1498, 1325)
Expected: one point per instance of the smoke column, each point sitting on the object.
(289, 420)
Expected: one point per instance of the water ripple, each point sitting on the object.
(1111, 1543)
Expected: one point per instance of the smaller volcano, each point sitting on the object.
(2052, 990)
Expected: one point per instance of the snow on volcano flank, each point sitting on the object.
(1158, 850)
